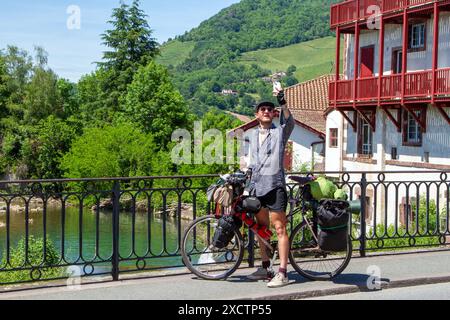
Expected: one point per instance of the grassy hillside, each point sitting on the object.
(312, 58)
(175, 52)
(220, 53)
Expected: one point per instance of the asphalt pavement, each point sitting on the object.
(363, 275)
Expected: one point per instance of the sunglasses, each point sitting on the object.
(264, 109)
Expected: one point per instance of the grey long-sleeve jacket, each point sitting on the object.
(267, 161)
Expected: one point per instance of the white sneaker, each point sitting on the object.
(260, 274)
(280, 280)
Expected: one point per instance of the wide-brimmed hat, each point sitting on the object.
(264, 104)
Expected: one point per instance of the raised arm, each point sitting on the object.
(286, 118)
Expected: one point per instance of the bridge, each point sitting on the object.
(125, 234)
(365, 275)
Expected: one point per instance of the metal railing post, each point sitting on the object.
(362, 238)
(116, 210)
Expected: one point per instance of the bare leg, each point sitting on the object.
(279, 221)
(262, 218)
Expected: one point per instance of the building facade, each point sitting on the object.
(390, 110)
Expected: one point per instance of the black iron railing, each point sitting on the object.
(50, 229)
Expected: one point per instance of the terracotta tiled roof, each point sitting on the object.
(241, 117)
(309, 100)
(312, 118)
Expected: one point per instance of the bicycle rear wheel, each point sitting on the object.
(202, 258)
(313, 263)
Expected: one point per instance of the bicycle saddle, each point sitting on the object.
(302, 180)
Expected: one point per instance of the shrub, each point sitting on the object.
(35, 258)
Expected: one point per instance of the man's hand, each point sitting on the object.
(281, 99)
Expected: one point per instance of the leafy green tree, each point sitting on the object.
(68, 97)
(41, 97)
(154, 105)
(119, 150)
(94, 99)
(3, 88)
(290, 81)
(291, 69)
(213, 119)
(43, 151)
(19, 67)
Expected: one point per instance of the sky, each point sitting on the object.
(69, 30)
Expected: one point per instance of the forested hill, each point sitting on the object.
(260, 24)
(209, 56)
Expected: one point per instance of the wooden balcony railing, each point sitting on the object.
(417, 85)
(348, 11)
(391, 86)
(367, 88)
(443, 81)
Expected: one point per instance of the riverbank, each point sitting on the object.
(128, 204)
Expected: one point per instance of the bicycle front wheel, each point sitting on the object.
(202, 258)
(311, 262)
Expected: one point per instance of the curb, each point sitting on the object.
(353, 289)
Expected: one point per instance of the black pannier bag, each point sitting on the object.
(333, 218)
(225, 231)
(249, 205)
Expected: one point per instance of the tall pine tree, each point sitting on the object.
(131, 45)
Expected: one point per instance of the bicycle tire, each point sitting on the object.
(194, 268)
(314, 274)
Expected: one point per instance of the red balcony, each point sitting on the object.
(418, 86)
(348, 11)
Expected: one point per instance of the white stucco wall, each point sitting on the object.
(333, 158)
(384, 202)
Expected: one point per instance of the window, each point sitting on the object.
(397, 61)
(417, 33)
(334, 134)
(365, 136)
(412, 132)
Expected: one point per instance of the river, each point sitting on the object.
(149, 230)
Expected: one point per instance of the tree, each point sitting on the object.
(290, 81)
(114, 151)
(19, 67)
(154, 105)
(131, 46)
(43, 151)
(68, 97)
(3, 89)
(94, 100)
(41, 97)
(130, 40)
(291, 69)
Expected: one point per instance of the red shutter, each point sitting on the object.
(288, 156)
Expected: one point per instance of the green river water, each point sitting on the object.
(148, 230)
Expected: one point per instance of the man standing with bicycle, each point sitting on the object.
(268, 183)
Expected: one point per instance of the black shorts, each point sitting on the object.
(276, 200)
